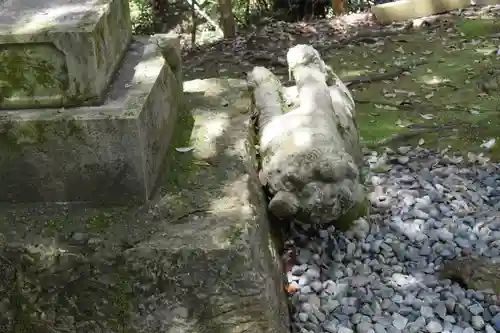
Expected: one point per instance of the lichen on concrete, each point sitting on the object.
(26, 73)
(68, 62)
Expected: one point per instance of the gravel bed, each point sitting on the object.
(428, 207)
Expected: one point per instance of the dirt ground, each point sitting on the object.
(436, 84)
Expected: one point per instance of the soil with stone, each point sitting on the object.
(427, 259)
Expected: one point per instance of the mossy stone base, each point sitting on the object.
(198, 259)
(403, 10)
(108, 153)
(58, 53)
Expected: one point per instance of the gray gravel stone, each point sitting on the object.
(303, 317)
(383, 279)
(426, 311)
(343, 329)
(477, 322)
(331, 327)
(434, 327)
(399, 322)
(379, 328)
(476, 309)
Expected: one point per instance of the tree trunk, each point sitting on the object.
(227, 18)
(310, 154)
(338, 7)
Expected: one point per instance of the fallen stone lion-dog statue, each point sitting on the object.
(308, 142)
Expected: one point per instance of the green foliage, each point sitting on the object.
(147, 17)
(142, 15)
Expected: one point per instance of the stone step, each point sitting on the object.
(403, 10)
(102, 154)
(199, 258)
(60, 53)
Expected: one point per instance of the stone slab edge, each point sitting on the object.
(68, 63)
(411, 9)
(104, 154)
(221, 262)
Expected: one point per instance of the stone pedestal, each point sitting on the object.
(87, 113)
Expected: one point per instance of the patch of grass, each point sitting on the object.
(101, 221)
(445, 94)
(180, 164)
(478, 27)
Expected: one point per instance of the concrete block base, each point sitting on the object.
(403, 10)
(103, 154)
(57, 53)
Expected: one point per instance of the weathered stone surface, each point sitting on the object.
(199, 259)
(310, 154)
(58, 53)
(485, 2)
(403, 10)
(108, 153)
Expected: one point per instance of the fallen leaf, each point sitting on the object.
(403, 124)
(201, 163)
(488, 144)
(421, 142)
(291, 287)
(399, 91)
(184, 149)
(427, 116)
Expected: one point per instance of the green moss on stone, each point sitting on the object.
(234, 234)
(101, 221)
(357, 211)
(96, 292)
(15, 135)
(24, 70)
(180, 165)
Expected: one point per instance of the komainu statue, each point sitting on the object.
(309, 142)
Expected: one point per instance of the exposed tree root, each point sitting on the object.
(412, 133)
(382, 76)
